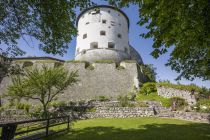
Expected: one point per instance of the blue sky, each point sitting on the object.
(143, 46)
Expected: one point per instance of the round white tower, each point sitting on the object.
(102, 35)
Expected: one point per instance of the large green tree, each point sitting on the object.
(42, 85)
(183, 25)
(51, 22)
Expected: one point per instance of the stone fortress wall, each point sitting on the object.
(98, 79)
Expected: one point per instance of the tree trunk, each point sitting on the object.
(45, 114)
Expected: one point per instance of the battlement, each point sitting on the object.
(82, 65)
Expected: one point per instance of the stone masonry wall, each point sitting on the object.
(104, 79)
(168, 92)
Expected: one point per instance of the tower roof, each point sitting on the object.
(103, 6)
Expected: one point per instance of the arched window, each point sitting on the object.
(111, 45)
(102, 33)
(94, 45)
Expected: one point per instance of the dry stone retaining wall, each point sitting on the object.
(168, 92)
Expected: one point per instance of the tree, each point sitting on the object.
(41, 85)
(149, 72)
(184, 25)
(51, 22)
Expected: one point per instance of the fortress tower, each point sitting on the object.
(103, 35)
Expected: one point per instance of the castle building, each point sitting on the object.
(103, 35)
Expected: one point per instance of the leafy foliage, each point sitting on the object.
(183, 26)
(41, 85)
(123, 100)
(149, 71)
(51, 22)
(177, 103)
(148, 88)
(203, 105)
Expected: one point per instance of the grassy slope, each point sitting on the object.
(136, 129)
(154, 97)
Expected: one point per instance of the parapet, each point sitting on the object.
(80, 65)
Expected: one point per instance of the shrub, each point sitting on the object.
(141, 104)
(102, 98)
(90, 67)
(177, 103)
(120, 68)
(57, 103)
(203, 105)
(123, 101)
(148, 88)
(131, 96)
(23, 106)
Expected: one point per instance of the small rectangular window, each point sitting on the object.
(94, 45)
(102, 33)
(126, 50)
(111, 45)
(104, 21)
(84, 36)
(87, 23)
(119, 35)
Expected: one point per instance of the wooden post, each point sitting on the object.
(68, 125)
(47, 127)
(8, 132)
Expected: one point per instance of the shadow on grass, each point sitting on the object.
(194, 131)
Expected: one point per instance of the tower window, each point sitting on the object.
(102, 33)
(94, 45)
(126, 49)
(111, 45)
(87, 23)
(119, 35)
(84, 36)
(103, 21)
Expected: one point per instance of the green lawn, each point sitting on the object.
(136, 129)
